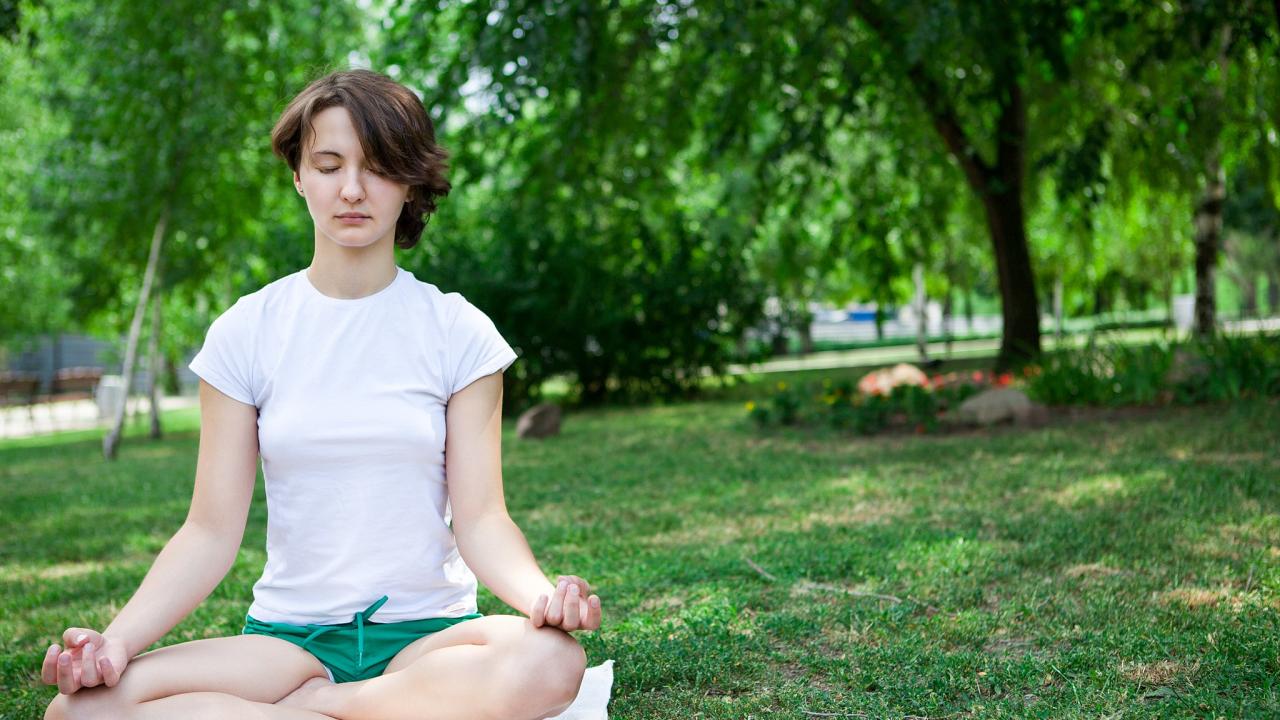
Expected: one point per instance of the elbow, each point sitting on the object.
(221, 541)
(466, 531)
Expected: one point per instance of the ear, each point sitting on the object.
(297, 181)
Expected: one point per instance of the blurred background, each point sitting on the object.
(650, 195)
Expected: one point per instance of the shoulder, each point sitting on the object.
(249, 311)
(444, 307)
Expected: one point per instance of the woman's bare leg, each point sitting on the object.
(498, 667)
(237, 676)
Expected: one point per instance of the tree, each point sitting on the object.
(1197, 81)
(167, 109)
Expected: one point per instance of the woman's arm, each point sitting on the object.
(191, 564)
(202, 551)
(488, 539)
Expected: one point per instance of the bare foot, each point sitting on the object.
(306, 696)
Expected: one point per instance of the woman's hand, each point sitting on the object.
(571, 607)
(90, 659)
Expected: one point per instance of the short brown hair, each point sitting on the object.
(396, 136)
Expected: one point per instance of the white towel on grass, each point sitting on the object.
(592, 702)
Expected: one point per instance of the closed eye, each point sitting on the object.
(330, 171)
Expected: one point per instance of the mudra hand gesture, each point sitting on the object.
(570, 607)
(90, 659)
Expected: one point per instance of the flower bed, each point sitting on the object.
(903, 398)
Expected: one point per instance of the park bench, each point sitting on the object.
(23, 389)
(77, 383)
(19, 388)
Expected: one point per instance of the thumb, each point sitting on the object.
(77, 637)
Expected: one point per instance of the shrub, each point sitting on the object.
(1222, 368)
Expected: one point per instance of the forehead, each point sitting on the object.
(332, 129)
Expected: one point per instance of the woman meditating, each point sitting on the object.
(375, 402)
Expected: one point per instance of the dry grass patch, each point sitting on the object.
(1008, 646)
(1090, 571)
(1089, 491)
(1161, 673)
(1194, 598)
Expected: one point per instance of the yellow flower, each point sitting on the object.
(782, 386)
(750, 406)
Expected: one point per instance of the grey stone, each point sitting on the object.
(1034, 416)
(995, 405)
(541, 420)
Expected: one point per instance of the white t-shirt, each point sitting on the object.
(351, 399)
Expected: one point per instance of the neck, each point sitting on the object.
(352, 272)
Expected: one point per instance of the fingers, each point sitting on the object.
(110, 675)
(49, 669)
(66, 675)
(89, 666)
(76, 637)
(555, 610)
(539, 612)
(583, 587)
(572, 608)
(593, 614)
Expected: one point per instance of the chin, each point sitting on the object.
(354, 240)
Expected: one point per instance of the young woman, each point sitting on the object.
(339, 377)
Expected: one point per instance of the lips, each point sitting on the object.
(352, 215)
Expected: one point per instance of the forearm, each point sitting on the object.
(497, 552)
(189, 567)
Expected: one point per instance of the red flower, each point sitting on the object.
(1004, 379)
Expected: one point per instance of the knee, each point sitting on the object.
(57, 709)
(86, 704)
(557, 664)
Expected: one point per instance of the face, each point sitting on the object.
(350, 204)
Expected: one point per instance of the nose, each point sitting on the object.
(352, 189)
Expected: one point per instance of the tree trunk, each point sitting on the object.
(153, 350)
(1057, 308)
(112, 439)
(1020, 338)
(805, 328)
(1208, 217)
(1273, 292)
(947, 307)
(1208, 240)
(1248, 297)
(968, 310)
(999, 185)
(918, 304)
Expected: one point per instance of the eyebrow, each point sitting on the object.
(327, 152)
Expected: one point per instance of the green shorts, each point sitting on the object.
(356, 650)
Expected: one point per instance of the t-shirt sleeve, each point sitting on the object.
(225, 360)
(476, 348)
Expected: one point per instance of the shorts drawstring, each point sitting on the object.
(359, 619)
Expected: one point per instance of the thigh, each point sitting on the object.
(487, 630)
(254, 667)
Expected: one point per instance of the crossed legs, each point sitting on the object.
(498, 667)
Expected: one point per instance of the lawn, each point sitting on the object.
(1124, 568)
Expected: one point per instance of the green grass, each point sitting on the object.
(1124, 569)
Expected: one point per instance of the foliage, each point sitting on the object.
(633, 181)
(145, 106)
(1201, 370)
(577, 222)
(34, 281)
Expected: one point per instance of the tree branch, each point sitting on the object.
(941, 112)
